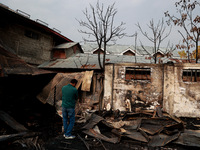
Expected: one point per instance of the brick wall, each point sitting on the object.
(31, 45)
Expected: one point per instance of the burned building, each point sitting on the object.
(24, 44)
(181, 93)
(132, 86)
(174, 87)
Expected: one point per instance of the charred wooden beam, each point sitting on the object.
(12, 122)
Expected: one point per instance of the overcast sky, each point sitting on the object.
(62, 15)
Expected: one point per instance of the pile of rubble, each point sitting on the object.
(108, 129)
(152, 128)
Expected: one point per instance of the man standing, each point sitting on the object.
(69, 97)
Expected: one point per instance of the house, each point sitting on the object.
(132, 87)
(20, 81)
(131, 50)
(24, 44)
(66, 50)
(101, 51)
(31, 40)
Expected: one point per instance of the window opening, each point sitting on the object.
(138, 73)
(31, 34)
(191, 75)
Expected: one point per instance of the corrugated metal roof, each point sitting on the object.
(12, 64)
(61, 79)
(6, 10)
(65, 45)
(90, 61)
(175, 60)
(119, 49)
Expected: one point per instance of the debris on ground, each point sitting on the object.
(94, 130)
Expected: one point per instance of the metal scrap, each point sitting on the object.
(95, 134)
(154, 132)
(93, 121)
(86, 144)
(162, 139)
(189, 138)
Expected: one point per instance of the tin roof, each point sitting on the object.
(10, 14)
(117, 49)
(90, 61)
(12, 64)
(66, 45)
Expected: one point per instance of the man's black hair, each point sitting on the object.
(74, 81)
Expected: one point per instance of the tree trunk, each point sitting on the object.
(99, 58)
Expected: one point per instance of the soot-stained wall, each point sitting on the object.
(128, 93)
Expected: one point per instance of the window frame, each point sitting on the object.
(191, 75)
(31, 34)
(137, 74)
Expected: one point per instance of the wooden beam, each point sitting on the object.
(12, 122)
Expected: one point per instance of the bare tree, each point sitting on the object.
(135, 35)
(187, 44)
(187, 20)
(169, 50)
(158, 31)
(100, 27)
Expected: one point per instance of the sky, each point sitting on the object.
(63, 15)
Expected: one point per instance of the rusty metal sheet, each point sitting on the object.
(61, 79)
(151, 129)
(151, 126)
(97, 135)
(135, 135)
(156, 125)
(12, 64)
(162, 139)
(87, 80)
(93, 121)
(173, 128)
(134, 124)
(189, 138)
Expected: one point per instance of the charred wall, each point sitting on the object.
(133, 86)
(173, 86)
(182, 90)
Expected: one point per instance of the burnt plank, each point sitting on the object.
(10, 136)
(12, 122)
(87, 79)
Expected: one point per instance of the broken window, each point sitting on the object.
(191, 75)
(31, 34)
(138, 73)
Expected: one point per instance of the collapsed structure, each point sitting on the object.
(174, 87)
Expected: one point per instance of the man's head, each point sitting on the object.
(73, 82)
